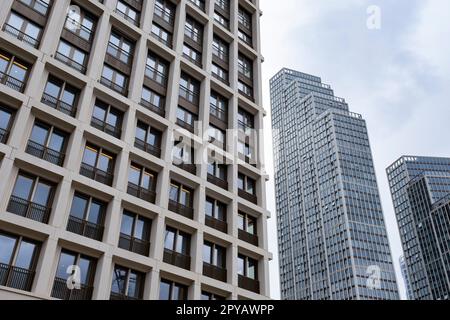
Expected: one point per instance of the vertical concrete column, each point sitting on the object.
(113, 221)
(46, 267)
(129, 123)
(4, 13)
(197, 252)
(97, 55)
(61, 205)
(75, 150)
(154, 285)
(103, 278)
(137, 76)
(55, 24)
(121, 171)
(157, 238)
(8, 173)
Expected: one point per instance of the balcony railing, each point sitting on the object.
(70, 62)
(160, 12)
(217, 224)
(3, 135)
(21, 35)
(193, 34)
(248, 196)
(147, 147)
(28, 209)
(106, 127)
(167, 42)
(96, 174)
(17, 278)
(185, 125)
(120, 296)
(248, 237)
(45, 153)
(220, 53)
(12, 82)
(152, 107)
(76, 28)
(188, 167)
(114, 86)
(217, 181)
(38, 6)
(214, 272)
(198, 4)
(177, 259)
(153, 74)
(141, 193)
(118, 53)
(61, 291)
(189, 95)
(85, 228)
(248, 284)
(127, 17)
(181, 209)
(59, 105)
(135, 245)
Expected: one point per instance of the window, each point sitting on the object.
(72, 56)
(18, 259)
(128, 12)
(186, 119)
(60, 95)
(120, 48)
(193, 30)
(148, 139)
(206, 296)
(142, 182)
(47, 142)
(31, 197)
(165, 10)
(13, 72)
(177, 241)
(153, 101)
(87, 216)
(218, 107)
(245, 121)
(157, 69)
(220, 49)
(245, 67)
(192, 54)
(247, 267)
(170, 290)
(86, 265)
(6, 120)
(189, 89)
(114, 80)
(127, 284)
(214, 255)
(181, 194)
(245, 26)
(217, 135)
(217, 170)
(220, 73)
(162, 35)
(164, 17)
(182, 153)
(247, 223)
(245, 89)
(40, 6)
(97, 164)
(83, 26)
(135, 233)
(246, 184)
(23, 29)
(216, 209)
(107, 118)
(245, 150)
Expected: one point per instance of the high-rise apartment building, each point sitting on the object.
(405, 275)
(331, 230)
(115, 120)
(420, 188)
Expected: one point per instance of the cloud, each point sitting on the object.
(396, 77)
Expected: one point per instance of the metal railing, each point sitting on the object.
(214, 272)
(59, 105)
(96, 174)
(185, 125)
(167, 17)
(15, 277)
(141, 193)
(70, 62)
(177, 259)
(85, 228)
(133, 244)
(189, 167)
(248, 284)
(127, 17)
(189, 95)
(38, 6)
(115, 296)
(21, 35)
(76, 25)
(3, 135)
(217, 181)
(247, 196)
(114, 86)
(181, 209)
(217, 224)
(118, 53)
(45, 153)
(61, 291)
(147, 147)
(248, 237)
(153, 74)
(218, 113)
(150, 106)
(106, 127)
(12, 82)
(28, 209)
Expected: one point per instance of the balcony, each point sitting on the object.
(114, 86)
(17, 278)
(152, 107)
(76, 29)
(141, 193)
(189, 95)
(217, 181)
(188, 167)
(60, 291)
(106, 127)
(218, 114)
(217, 224)
(153, 74)
(59, 105)
(12, 82)
(38, 6)
(177, 259)
(114, 296)
(21, 35)
(248, 237)
(248, 284)
(135, 245)
(189, 127)
(164, 15)
(45, 153)
(248, 196)
(28, 209)
(85, 228)
(70, 62)
(149, 148)
(181, 209)
(127, 17)
(96, 174)
(214, 272)
(3, 135)
(119, 54)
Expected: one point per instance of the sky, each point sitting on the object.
(396, 75)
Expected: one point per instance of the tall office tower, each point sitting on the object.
(420, 188)
(107, 180)
(331, 232)
(404, 270)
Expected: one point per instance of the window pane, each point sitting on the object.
(23, 186)
(5, 118)
(42, 194)
(66, 260)
(207, 257)
(209, 210)
(25, 255)
(173, 194)
(79, 205)
(119, 280)
(7, 245)
(90, 156)
(241, 266)
(134, 176)
(86, 269)
(39, 134)
(104, 162)
(169, 240)
(56, 142)
(127, 224)
(164, 291)
(95, 213)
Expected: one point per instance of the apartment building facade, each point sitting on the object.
(420, 188)
(332, 236)
(130, 160)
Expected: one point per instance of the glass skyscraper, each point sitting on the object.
(420, 188)
(332, 235)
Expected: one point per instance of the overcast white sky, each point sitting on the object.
(397, 77)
